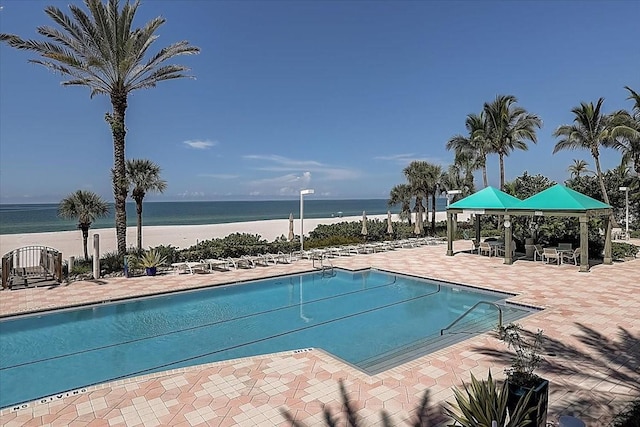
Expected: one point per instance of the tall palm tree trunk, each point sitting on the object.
(85, 237)
(139, 213)
(116, 121)
(501, 171)
(485, 179)
(433, 213)
(600, 180)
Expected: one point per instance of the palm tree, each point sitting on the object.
(434, 188)
(473, 149)
(401, 195)
(100, 50)
(578, 168)
(143, 176)
(86, 207)
(590, 130)
(509, 127)
(417, 174)
(630, 146)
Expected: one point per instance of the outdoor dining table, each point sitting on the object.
(561, 252)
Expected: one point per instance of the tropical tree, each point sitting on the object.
(630, 146)
(102, 51)
(509, 127)
(417, 174)
(86, 207)
(591, 129)
(472, 150)
(143, 176)
(435, 187)
(401, 195)
(578, 168)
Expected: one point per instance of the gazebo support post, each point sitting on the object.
(508, 256)
(607, 240)
(476, 225)
(584, 244)
(449, 234)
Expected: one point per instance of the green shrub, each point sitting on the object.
(629, 417)
(620, 251)
(111, 262)
(635, 234)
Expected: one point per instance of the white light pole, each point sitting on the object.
(302, 194)
(626, 205)
(452, 193)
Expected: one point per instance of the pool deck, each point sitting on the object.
(591, 322)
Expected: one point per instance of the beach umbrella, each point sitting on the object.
(364, 231)
(389, 224)
(291, 235)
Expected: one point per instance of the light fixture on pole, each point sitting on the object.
(626, 206)
(451, 194)
(302, 194)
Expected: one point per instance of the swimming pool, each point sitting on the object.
(362, 318)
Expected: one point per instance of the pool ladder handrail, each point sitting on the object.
(470, 310)
(326, 269)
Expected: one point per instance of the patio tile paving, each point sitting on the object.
(591, 321)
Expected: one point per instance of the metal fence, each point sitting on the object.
(30, 264)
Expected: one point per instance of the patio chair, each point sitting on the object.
(551, 253)
(538, 252)
(475, 247)
(569, 256)
(485, 248)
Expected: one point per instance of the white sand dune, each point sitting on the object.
(181, 236)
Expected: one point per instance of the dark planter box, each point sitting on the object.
(151, 271)
(539, 400)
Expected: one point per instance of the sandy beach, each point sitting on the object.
(182, 236)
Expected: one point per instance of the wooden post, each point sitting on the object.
(5, 270)
(58, 267)
(449, 234)
(508, 256)
(96, 256)
(584, 244)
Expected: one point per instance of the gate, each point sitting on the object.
(31, 265)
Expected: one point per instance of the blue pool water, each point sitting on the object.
(355, 316)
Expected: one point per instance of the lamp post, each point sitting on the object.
(626, 205)
(302, 194)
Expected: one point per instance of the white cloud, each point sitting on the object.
(188, 194)
(200, 144)
(405, 159)
(285, 185)
(323, 172)
(219, 176)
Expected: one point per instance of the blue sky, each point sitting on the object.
(335, 96)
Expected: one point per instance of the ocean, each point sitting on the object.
(37, 218)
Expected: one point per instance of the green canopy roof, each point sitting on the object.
(560, 198)
(487, 198)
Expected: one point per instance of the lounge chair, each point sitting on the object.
(217, 264)
(485, 248)
(572, 256)
(549, 254)
(538, 252)
(191, 267)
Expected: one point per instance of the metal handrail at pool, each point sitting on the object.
(470, 310)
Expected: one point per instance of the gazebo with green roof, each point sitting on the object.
(488, 201)
(554, 201)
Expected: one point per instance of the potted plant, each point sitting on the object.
(521, 379)
(484, 403)
(150, 260)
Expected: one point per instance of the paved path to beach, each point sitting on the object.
(592, 351)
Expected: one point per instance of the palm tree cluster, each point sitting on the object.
(500, 128)
(102, 51)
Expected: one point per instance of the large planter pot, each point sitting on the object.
(150, 271)
(539, 400)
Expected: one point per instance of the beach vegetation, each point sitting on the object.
(621, 251)
(630, 147)
(150, 258)
(85, 207)
(143, 176)
(424, 178)
(101, 50)
(592, 130)
(508, 128)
